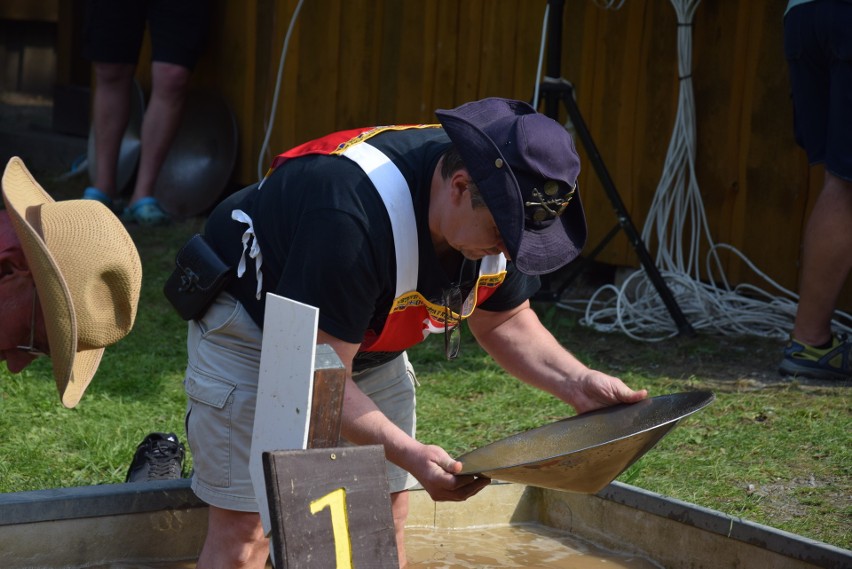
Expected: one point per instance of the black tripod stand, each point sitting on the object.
(554, 91)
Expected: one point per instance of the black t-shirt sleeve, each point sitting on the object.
(517, 288)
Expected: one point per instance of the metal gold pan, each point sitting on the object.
(586, 452)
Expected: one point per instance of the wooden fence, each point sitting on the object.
(358, 62)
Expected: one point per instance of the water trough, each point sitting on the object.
(135, 525)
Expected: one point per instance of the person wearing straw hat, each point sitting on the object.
(69, 284)
(394, 233)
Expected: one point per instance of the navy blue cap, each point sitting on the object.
(526, 167)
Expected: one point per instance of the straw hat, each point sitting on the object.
(87, 275)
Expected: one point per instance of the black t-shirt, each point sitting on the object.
(326, 239)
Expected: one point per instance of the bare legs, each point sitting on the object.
(162, 117)
(170, 83)
(399, 507)
(826, 261)
(111, 114)
(234, 540)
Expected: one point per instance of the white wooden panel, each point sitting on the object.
(284, 388)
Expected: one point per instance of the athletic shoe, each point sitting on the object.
(834, 362)
(158, 457)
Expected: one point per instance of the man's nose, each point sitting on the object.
(500, 248)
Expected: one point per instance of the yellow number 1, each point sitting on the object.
(335, 501)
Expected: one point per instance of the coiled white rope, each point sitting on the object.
(676, 223)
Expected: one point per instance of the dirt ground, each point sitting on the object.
(719, 362)
(727, 363)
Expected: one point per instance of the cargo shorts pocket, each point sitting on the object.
(208, 426)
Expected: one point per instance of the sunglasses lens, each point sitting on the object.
(452, 322)
(30, 348)
(452, 343)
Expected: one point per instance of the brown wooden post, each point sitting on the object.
(329, 386)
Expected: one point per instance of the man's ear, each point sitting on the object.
(13, 263)
(459, 182)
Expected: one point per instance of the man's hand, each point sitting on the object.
(439, 475)
(594, 390)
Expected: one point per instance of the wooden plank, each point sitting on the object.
(631, 20)
(721, 39)
(497, 50)
(286, 134)
(657, 93)
(525, 50)
(586, 79)
(285, 386)
(430, 25)
(271, 21)
(389, 91)
(407, 63)
(446, 56)
(768, 160)
(468, 61)
(602, 120)
(318, 80)
(231, 62)
(327, 399)
(360, 45)
(331, 508)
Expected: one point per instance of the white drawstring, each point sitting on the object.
(251, 245)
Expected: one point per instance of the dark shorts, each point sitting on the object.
(818, 47)
(115, 28)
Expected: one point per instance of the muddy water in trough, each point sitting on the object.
(518, 546)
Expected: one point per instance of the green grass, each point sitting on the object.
(773, 452)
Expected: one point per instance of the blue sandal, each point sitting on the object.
(92, 193)
(146, 211)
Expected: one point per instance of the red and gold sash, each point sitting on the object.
(411, 318)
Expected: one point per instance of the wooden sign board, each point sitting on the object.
(330, 508)
(285, 386)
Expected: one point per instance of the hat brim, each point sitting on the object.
(546, 250)
(73, 370)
